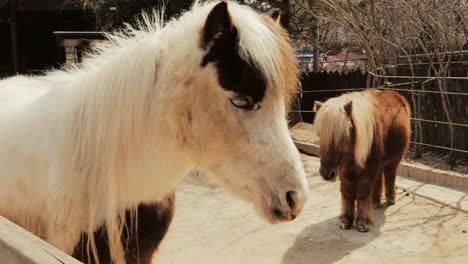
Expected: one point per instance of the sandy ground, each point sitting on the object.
(212, 227)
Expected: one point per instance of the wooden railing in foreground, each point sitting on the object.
(18, 246)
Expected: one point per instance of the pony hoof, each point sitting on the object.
(362, 225)
(345, 225)
(376, 205)
(363, 228)
(390, 202)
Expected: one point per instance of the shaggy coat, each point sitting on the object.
(363, 138)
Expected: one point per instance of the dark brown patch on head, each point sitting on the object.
(218, 23)
(220, 39)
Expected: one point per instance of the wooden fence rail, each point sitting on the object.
(18, 246)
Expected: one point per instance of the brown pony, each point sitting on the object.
(363, 137)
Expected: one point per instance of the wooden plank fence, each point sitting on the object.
(18, 246)
(323, 82)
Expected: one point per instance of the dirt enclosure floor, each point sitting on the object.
(211, 227)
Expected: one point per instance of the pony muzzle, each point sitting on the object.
(328, 175)
(277, 211)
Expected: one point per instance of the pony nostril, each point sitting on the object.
(321, 171)
(278, 213)
(332, 174)
(290, 199)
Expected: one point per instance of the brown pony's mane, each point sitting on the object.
(334, 125)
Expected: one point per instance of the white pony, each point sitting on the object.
(81, 147)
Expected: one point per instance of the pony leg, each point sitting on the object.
(347, 205)
(364, 216)
(377, 191)
(390, 179)
(347, 213)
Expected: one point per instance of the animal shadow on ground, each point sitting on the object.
(324, 242)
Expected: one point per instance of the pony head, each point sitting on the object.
(239, 73)
(345, 125)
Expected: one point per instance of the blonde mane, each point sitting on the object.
(334, 126)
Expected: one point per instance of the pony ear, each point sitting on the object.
(348, 107)
(218, 24)
(275, 14)
(317, 105)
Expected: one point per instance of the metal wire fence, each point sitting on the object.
(435, 128)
